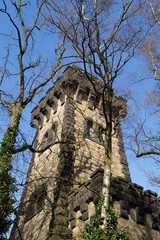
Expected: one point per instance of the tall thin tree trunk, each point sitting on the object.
(108, 152)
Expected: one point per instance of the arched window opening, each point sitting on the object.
(54, 134)
(49, 137)
(45, 139)
(101, 135)
(90, 129)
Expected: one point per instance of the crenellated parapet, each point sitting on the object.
(139, 210)
(75, 85)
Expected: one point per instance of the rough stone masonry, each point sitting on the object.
(64, 181)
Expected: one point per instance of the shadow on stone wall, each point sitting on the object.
(139, 211)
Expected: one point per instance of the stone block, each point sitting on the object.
(152, 195)
(84, 216)
(61, 232)
(61, 220)
(96, 187)
(60, 210)
(156, 217)
(131, 200)
(140, 219)
(155, 226)
(124, 205)
(98, 173)
(90, 196)
(124, 213)
(73, 224)
(83, 207)
(82, 200)
(76, 206)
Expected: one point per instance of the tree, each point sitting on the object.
(150, 46)
(24, 74)
(146, 137)
(103, 35)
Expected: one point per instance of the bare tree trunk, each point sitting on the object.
(107, 108)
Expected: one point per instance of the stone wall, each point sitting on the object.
(139, 211)
(35, 211)
(90, 151)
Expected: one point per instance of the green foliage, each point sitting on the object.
(7, 182)
(94, 230)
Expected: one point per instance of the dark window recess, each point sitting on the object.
(101, 134)
(45, 140)
(53, 129)
(89, 129)
(36, 203)
(49, 137)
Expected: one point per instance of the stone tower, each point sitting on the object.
(65, 173)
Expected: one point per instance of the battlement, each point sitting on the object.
(139, 210)
(74, 84)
